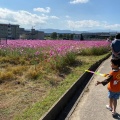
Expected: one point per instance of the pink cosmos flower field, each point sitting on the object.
(49, 47)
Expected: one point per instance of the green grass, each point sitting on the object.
(30, 84)
(94, 51)
(38, 109)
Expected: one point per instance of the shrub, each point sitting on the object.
(17, 69)
(6, 76)
(59, 62)
(32, 74)
(94, 51)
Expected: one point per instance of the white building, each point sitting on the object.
(9, 31)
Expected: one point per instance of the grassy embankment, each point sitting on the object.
(28, 90)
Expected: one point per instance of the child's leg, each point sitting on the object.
(111, 102)
(114, 105)
(109, 106)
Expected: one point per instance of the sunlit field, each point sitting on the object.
(36, 51)
(35, 73)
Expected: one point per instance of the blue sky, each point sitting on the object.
(62, 14)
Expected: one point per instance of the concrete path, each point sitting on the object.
(92, 105)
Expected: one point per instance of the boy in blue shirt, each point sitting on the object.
(115, 46)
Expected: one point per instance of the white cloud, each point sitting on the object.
(22, 18)
(27, 20)
(67, 16)
(83, 24)
(43, 10)
(91, 24)
(78, 1)
(54, 17)
(114, 26)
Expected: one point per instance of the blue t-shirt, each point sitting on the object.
(116, 46)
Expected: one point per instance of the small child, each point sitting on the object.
(113, 81)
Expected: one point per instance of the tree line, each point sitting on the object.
(63, 36)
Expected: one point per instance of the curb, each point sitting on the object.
(64, 107)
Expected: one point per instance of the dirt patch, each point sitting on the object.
(15, 98)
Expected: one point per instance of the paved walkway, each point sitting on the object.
(92, 105)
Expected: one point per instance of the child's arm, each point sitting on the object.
(104, 82)
(98, 82)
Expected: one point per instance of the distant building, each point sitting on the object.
(33, 34)
(94, 36)
(9, 31)
(21, 31)
(77, 37)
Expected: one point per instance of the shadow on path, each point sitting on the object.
(117, 116)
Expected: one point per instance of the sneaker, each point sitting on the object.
(114, 113)
(108, 107)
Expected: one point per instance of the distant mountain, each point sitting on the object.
(60, 31)
(77, 32)
(103, 30)
(55, 30)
